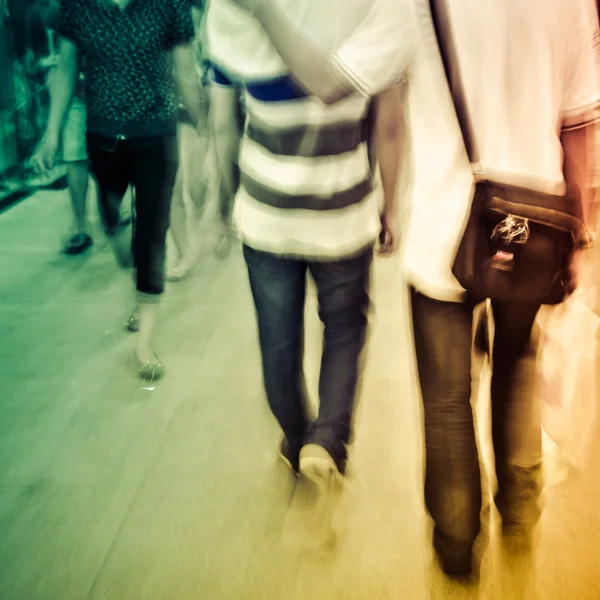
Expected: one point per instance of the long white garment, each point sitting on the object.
(528, 68)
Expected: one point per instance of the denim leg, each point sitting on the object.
(343, 292)
(279, 290)
(442, 336)
(516, 413)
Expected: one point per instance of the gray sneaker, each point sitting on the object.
(320, 469)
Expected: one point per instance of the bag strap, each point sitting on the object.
(443, 31)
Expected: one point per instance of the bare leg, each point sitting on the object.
(147, 314)
(78, 179)
(74, 154)
(178, 227)
(189, 199)
(78, 240)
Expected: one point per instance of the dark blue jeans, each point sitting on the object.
(279, 291)
(443, 344)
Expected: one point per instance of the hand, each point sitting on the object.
(49, 62)
(45, 156)
(389, 238)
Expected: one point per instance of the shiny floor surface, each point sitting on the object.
(112, 491)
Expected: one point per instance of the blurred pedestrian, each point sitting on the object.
(307, 204)
(532, 92)
(196, 174)
(128, 51)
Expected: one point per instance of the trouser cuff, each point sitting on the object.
(145, 298)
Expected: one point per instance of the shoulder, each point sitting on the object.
(381, 50)
(70, 7)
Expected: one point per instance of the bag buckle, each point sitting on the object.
(512, 230)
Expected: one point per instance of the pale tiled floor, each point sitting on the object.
(112, 491)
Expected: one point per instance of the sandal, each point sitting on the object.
(77, 244)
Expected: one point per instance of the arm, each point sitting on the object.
(578, 166)
(186, 79)
(389, 131)
(62, 86)
(389, 136)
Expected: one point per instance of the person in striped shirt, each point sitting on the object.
(308, 201)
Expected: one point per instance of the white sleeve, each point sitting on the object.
(581, 91)
(378, 53)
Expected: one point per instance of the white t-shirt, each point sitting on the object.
(239, 46)
(529, 70)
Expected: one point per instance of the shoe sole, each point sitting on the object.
(454, 565)
(178, 274)
(320, 469)
(317, 464)
(172, 278)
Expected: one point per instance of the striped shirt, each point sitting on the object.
(306, 186)
(306, 180)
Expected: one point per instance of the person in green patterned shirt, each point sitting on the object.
(135, 55)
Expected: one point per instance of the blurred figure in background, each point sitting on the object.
(128, 51)
(196, 167)
(29, 42)
(306, 202)
(73, 152)
(531, 83)
(225, 25)
(190, 193)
